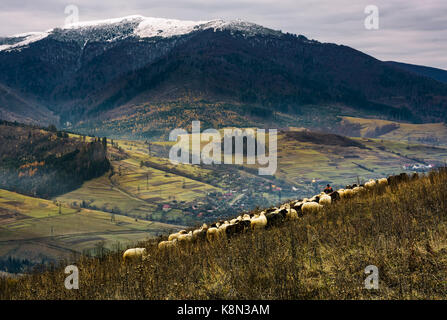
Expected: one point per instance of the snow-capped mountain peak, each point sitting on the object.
(131, 26)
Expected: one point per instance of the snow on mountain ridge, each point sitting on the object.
(146, 27)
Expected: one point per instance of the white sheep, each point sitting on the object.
(370, 184)
(310, 207)
(357, 190)
(212, 234)
(347, 193)
(258, 222)
(164, 245)
(382, 182)
(135, 254)
(176, 235)
(292, 214)
(325, 200)
(185, 238)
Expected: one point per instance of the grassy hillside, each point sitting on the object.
(402, 230)
(37, 229)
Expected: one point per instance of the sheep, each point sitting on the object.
(382, 182)
(135, 254)
(370, 184)
(325, 200)
(185, 238)
(217, 224)
(270, 210)
(164, 245)
(347, 193)
(311, 207)
(176, 235)
(199, 234)
(236, 228)
(212, 234)
(297, 206)
(292, 214)
(258, 222)
(222, 228)
(357, 190)
(274, 219)
(235, 220)
(335, 196)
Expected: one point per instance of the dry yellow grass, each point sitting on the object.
(402, 230)
(427, 132)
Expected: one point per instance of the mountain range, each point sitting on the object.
(138, 76)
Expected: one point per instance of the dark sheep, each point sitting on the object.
(237, 228)
(335, 196)
(298, 209)
(274, 219)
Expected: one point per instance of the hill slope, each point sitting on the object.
(429, 72)
(402, 231)
(42, 162)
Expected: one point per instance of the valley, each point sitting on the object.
(144, 195)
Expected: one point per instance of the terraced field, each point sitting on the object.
(141, 190)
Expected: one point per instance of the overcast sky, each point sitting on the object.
(412, 31)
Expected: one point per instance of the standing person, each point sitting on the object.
(328, 189)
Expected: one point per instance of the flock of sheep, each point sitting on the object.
(265, 219)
